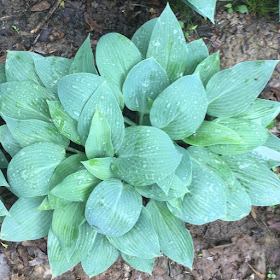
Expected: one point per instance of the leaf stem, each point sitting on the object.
(141, 118)
(73, 150)
(129, 122)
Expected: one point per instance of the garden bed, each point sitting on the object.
(247, 249)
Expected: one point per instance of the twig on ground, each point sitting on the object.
(47, 16)
(260, 275)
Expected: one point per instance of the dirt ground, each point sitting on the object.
(247, 249)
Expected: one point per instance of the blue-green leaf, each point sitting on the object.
(74, 91)
(261, 111)
(205, 8)
(102, 255)
(175, 240)
(2, 74)
(25, 222)
(150, 152)
(20, 66)
(51, 69)
(65, 226)
(8, 142)
(272, 142)
(3, 160)
(143, 84)
(180, 109)
(267, 156)
(84, 60)
(180, 179)
(197, 51)
(142, 36)
(262, 185)
(28, 132)
(206, 201)
(113, 207)
(168, 45)
(84, 243)
(231, 91)
(238, 201)
(31, 169)
(115, 56)
(25, 100)
(145, 265)
(141, 241)
(3, 209)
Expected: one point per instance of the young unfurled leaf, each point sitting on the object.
(76, 186)
(63, 122)
(180, 109)
(208, 67)
(144, 83)
(231, 91)
(211, 133)
(83, 61)
(25, 222)
(115, 56)
(197, 51)
(113, 208)
(51, 69)
(168, 45)
(101, 256)
(149, 151)
(99, 142)
(174, 239)
(142, 36)
(100, 167)
(31, 169)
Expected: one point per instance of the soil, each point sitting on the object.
(246, 249)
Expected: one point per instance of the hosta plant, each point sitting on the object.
(114, 160)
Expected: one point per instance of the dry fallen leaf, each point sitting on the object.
(44, 5)
(93, 26)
